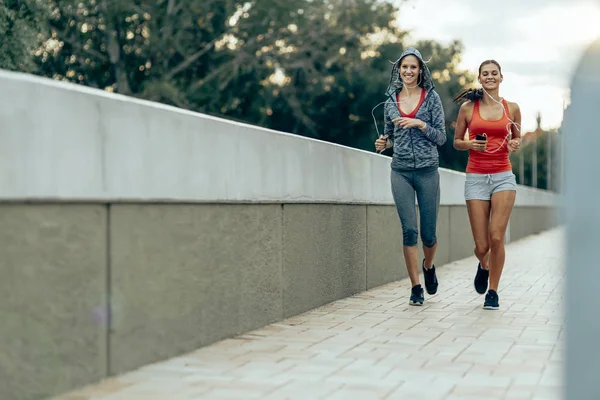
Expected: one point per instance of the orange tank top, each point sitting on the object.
(495, 158)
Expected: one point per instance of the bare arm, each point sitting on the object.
(515, 142)
(461, 128)
(516, 127)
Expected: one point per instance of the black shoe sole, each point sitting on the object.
(431, 292)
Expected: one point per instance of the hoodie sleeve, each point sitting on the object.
(388, 124)
(436, 126)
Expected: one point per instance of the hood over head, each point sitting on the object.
(425, 80)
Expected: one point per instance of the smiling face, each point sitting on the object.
(409, 70)
(490, 75)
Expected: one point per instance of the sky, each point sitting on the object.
(538, 43)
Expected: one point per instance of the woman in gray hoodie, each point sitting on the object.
(414, 127)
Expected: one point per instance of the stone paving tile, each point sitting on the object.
(375, 346)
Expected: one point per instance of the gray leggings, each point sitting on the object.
(426, 184)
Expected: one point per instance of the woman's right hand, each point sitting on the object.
(381, 144)
(477, 145)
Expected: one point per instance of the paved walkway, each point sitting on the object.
(375, 346)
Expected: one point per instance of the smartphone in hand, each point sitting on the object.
(480, 137)
(384, 137)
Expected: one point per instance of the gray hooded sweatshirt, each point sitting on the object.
(414, 149)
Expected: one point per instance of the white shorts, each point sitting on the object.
(483, 186)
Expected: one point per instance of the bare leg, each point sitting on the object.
(429, 253)
(479, 217)
(502, 204)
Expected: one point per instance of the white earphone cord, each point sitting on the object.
(508, 130)
(379, 135)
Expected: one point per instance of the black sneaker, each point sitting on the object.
(416, 296)
(481, 279)
(431, 282)
(491, 301)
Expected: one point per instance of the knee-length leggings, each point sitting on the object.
(425, 183)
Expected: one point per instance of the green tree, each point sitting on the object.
(542, 155)
(311, 67)
(135, 48)
(20, 23)
(334, 74)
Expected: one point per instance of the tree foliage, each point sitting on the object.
(20, 25)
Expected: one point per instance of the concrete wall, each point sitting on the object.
(68, 142)
(181, 276)
(53, 280)
(133, 232)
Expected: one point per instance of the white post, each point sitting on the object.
(549, 185)
(534, 163)
(521, 168)
(582, 215)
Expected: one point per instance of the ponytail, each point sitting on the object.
(469, 94)
(476, 94)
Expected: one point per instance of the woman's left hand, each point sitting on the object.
(406, 123)
(513, 145)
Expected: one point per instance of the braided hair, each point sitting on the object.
(475, 94)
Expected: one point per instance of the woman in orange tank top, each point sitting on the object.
(490, 187)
